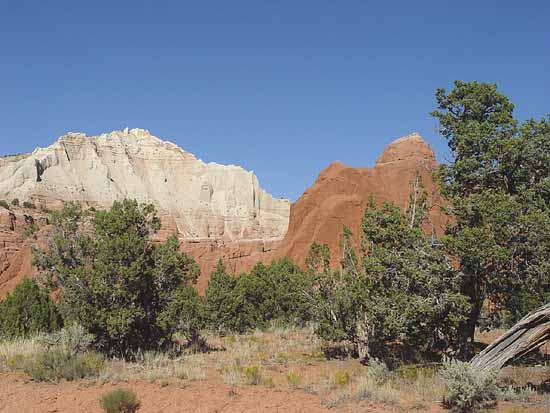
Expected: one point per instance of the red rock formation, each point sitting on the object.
(339, 195)
(15, 247)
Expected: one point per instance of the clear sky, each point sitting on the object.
(279, 87)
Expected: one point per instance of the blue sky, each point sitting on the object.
(279, 87)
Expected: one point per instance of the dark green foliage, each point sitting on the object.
(217, 298)
(114, 281)
(318, 259)
(401, 290)
(27, 311)
(120, 401)
(184, 313)
(31, 230)
(29, 205)
(279, 291)
(56, 364)
(15, 202)
(499, 188)
(4, 204)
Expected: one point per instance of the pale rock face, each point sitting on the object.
(205, 201)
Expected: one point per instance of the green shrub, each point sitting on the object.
(4, 204)
(294, 379)
(28, 311)
(399, 300)
(15, 202)
(341, 378)
(57, 364)
(72, 338)
(120, 401)
(30, 230)
(29, 205)
(253, 375)
(468, 389)
(378, 371)
(130, 293)
(275, 292)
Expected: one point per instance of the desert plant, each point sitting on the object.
(120, 401)
(516, 394)
(15, 202)
(15, 351)
(252, 375)
(368, 388)
(27, 311)
(267, 293)
(4, 204)
(72, 338)
(403, 289)
(497, 184)
(341, 378)
(128, 292)
(293, 379)
(57, 364)
(30, 230)
(29, 205)
(192, 368)
(378, 371)
(468, 389)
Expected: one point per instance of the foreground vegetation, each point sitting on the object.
(398, 297)
(281, 358)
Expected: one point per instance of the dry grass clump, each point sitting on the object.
(45, 360)
(294, 379)
(14, 351)
(192, 368)
(155, 366)
(120, 401)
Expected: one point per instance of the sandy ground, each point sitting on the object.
(18, 395)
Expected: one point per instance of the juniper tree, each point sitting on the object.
(498, 185)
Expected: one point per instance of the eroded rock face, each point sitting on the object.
(340, 194)
(218, 212)
(206, 201)
(15, 246)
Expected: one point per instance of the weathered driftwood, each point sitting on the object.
(531, 332)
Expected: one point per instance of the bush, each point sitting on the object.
(28, 311)
(468, 389)
(129, 293)
(29, 205)
(400, 300)
(274, 292)
(72, 339)
(15, 202)
(4, 204)
(57, 364)
(185, 313)
(253, 375)
(30, 230)
(120, 401)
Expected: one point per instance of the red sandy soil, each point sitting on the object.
(19, 396)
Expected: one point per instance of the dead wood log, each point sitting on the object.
(528, 334)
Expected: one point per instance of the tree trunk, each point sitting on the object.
(468, 327)
(531, 332)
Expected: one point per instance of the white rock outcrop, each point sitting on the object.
(206, 201)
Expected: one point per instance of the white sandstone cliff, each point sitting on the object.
(205, 201)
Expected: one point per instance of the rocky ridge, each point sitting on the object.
(218, 212)
(340, 193)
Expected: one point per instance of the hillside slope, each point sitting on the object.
(340, 193)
